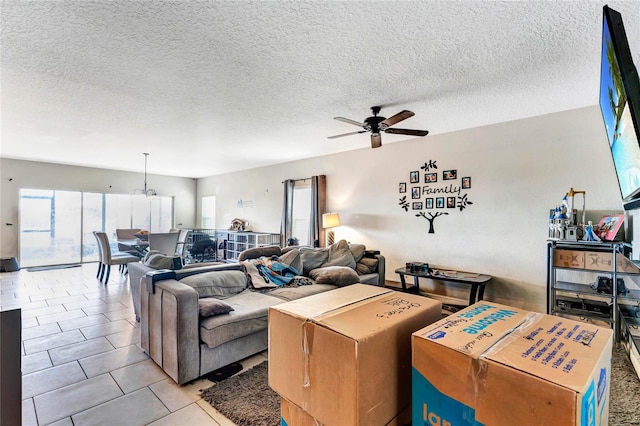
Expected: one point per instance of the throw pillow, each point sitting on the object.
(357, 250)
(312, 258)
(210, 306)
(293, 259)
(367, 265)
(340, 255)
(336, 275)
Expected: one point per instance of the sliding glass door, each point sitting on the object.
(50, 232)
(56, 227)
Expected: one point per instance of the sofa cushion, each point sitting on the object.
(220, 284)
(293, 293)
(340, 255)
(312, 258)
(249, 315)
(293, 259)
(336, 275)
(367, 265)
(210, 306)
(357, 250)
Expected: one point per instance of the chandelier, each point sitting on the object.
(145, 191)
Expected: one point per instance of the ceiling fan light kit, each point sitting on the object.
(377, 124)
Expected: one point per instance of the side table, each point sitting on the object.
(476, 281)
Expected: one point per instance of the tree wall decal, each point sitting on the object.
(431, 218)
(436, 192)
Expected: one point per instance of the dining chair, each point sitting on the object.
(182, 241)
(164, 242)
(107, 258)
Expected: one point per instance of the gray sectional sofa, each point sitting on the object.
(187, 345)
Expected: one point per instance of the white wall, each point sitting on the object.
(17, 174)
(519, 171)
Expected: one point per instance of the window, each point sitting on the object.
(56, 226)
(208, 212)
(301, 213)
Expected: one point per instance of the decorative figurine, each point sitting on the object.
(589, 234)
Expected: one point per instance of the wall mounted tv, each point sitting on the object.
(620, 106)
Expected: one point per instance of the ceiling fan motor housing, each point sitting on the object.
(373, 124)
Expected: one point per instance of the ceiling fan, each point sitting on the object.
(376, 125)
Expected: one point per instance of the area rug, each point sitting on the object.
(246, 399)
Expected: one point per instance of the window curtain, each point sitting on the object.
(318, 203)
(287, 212)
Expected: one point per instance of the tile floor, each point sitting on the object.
(81, 359)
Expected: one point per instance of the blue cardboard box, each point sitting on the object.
(491, 364)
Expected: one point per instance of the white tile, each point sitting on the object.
(107, 307)
(66, 299)
(83, 304)
(108, 361)
(146, 406)
(192, 415)
(127, 314)
(28, 413)
(82, 322)
(52, 378)
(66, 401)
(139, 375)
(29, 322)
(52, 341)
(45, 310)
(172, 395)
(79, 350)
(36, 362)
(40, 331)
(64, 422)
(125, 338)
(106, 329)
(61, 316)
(215, 414)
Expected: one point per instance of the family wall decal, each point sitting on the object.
(439, 197)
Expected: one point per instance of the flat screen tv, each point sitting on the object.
(620, 105)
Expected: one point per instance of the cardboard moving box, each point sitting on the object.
(292, 415)
(344, 356)
(491, 364)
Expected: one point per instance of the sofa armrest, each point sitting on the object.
(381, 269)
(169, 328)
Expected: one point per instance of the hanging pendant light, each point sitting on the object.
(148, 192)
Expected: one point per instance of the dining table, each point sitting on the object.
(140, 246)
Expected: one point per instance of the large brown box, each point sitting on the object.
(491, 364)
(344, 356)
(568, 258)
(292, 415)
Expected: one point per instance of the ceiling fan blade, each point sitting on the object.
(376, 140)
(408, 132)
(346, 120)
(346, 134)
(402, 115)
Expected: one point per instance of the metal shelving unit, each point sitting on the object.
(580, 264)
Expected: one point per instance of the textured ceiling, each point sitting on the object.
(208, 87)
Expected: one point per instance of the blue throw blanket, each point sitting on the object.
(269, 272)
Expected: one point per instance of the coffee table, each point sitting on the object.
(476, 281)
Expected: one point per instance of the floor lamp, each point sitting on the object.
(330, 221)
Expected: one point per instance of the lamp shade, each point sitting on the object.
(330, 220)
